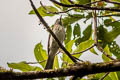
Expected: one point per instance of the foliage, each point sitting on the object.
(79, 39)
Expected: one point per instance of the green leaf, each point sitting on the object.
(86, 35)
(40, 54)
(105, 58)
(108, 23)
(68, 46)
(82, 2)
(93, 51)
(77, 31)
(116, 0)
(68, 33)
(88, 17)
(61, 78)
(111, 35)
(56, 63)
(65, 1)
(113, 76)
(101, 32)
(71, 19)
(115, 49)
(58, 6)
(23, 66)
(98, 76)
(87, 32)
(43, 11)
(83, 46)
(118, 74)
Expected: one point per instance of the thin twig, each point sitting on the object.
(102, 78)
(102, 50)
(109, 15)
(96, 39)
(51, 32)
(49, 12)
(95, 27)
(84, 50)
(86, 7)
(113, 2)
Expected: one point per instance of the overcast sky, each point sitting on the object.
(20, 32)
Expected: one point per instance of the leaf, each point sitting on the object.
(113, 76)
(93, 51)
(87, 32)
(118, 74)
(76, 31)
(23, 67)
(40, 54)
(86, 35)
(43, 11)
(111, 35)
(105, 58)
(101, 32)
(65, 1)
(88, 17)
(114, 24)
(58, 6)
(115, 49)
(71, 19)
(68, 46)
(83, 2)
(56, 63)
(68, 33)
(83, 46)
(98, 76)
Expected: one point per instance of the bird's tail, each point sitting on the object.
(50, 61)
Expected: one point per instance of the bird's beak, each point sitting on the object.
(60, 18)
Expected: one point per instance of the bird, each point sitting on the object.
(53, 47)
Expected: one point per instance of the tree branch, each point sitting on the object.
(86, 7)
(79, 69)
(113, 2)
(96, 38)
(51, 32)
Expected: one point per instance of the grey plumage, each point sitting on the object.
(53, 47)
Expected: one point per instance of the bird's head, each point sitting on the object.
(59, 21)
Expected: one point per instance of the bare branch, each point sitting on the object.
(113, 2)
(96, 39)
(102, 50)
(109, 15)
(80, 70)
(49, 12)
(86, 7)
(51, 32)
(95, 27)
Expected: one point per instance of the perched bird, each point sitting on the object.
(53, 46)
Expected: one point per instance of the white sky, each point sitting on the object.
(20, 32)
